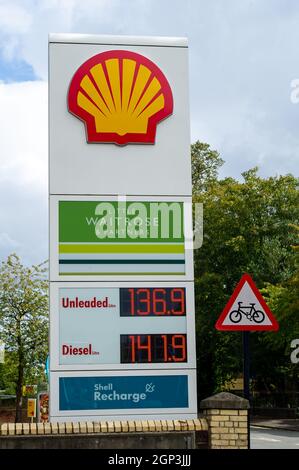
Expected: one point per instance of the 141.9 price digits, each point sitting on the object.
(153, 348)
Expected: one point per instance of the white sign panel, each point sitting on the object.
(122, 319)
(132, 326)
(246, 310)
(96, 83)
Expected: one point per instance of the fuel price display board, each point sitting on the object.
(136, 325)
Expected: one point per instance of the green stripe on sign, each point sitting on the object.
(113, 221)
(163, 248)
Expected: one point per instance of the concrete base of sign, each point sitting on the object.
(177, 440)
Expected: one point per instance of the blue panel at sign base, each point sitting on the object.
(133, 392)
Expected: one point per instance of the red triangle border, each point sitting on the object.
(219, 324)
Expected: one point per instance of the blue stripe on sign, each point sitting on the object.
(133, 392)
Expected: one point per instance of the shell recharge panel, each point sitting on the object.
(122, 328)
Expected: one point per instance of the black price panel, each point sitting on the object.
(152, 301)
(153, 348)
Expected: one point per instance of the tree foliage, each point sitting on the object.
(247, 228)
(23, 321)
(283, 300)
(205, 163)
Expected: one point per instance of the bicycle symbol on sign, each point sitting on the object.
(257, 316)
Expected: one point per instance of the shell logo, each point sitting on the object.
(121, 96)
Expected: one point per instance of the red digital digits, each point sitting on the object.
(178, 299)
(159, 302)
(138, 344)
(178, 343)
(153, 301)
(153, 348)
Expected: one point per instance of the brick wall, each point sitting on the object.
(147, 434)
(227, 417)
(9, 429)
(227, 428)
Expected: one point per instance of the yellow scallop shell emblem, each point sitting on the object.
(121, 96)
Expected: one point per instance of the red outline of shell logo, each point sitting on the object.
(120, 96)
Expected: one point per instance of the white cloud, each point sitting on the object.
(23, 170)
(7, 242)
(14, 19)
(23, 223)
(23, 124)
(26, 24)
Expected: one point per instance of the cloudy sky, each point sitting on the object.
(244, 61)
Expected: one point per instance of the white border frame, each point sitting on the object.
(54, 241)
(159, 41)
(145, 413)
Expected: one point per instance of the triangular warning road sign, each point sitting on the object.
(246, 310)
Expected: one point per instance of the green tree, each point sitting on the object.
(23, 321)
(205, 164)
(246, 229)
(283, 300)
